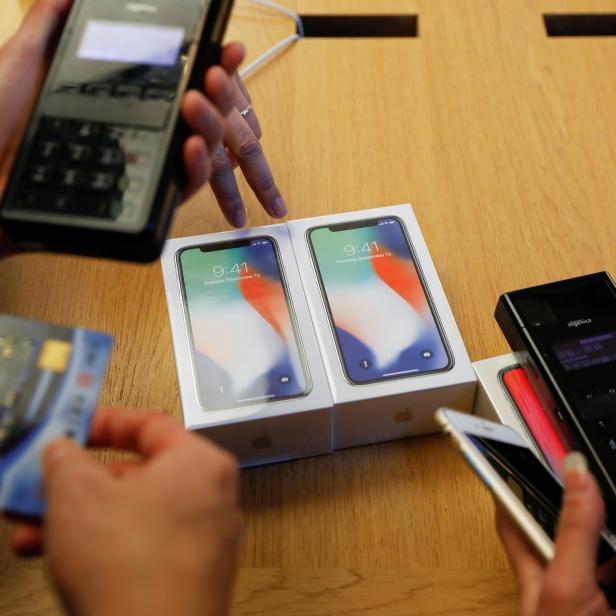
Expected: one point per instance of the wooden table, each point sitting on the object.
(505, 142)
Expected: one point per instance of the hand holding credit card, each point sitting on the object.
(50, 378)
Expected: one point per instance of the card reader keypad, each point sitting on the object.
(88, 169)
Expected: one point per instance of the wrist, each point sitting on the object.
(158, 590)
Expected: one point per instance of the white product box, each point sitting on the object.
(492, 401)
(257, 432)
(399, 406)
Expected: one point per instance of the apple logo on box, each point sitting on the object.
(262, 442)
(404, 416)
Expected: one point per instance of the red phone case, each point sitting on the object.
(535, 418)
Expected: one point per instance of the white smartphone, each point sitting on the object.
(524, 486)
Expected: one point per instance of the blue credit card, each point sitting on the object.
(50, 378)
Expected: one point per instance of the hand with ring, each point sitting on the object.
(241, 147)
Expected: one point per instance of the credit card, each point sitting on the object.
(50, 378)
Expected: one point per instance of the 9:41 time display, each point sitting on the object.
(366, 247)
(237, 269)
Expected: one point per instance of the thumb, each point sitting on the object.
(581, 519)
(38, 27)
(66, 467)
(23, 62)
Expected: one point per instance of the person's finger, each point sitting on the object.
(220, 89)
(231, 157)
(581, 519)
(525, 562)
(242, 87)
(123, 469)
(26, 539)
(225, 188)
(23, 62)
(197, 164)
(523, 558)
(203, 118)
(249, 116)
(39, 25)
(242, 141)
(607, 573)
(243, 104)
(66, 466)
(231, 56)
(146, 433)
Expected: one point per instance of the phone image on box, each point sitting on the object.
(243, 333)
(99, 170)
(382, 317)
(522, 484)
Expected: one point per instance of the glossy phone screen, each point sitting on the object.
(526, 477)
(244, 338)
(382, 317)
(531, 484)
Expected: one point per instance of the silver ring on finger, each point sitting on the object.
(246, 111)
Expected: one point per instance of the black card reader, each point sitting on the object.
(99, 168)
(564, 335)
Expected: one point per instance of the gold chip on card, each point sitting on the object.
(55, 355)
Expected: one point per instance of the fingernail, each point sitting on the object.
(575, 461)
(575, 472)
(239, 218)
(279, 208)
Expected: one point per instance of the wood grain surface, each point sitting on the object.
(505, 142)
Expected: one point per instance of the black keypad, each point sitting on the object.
(72, 177)
(108, 156)
(101, 181)
(87, 130)
(79, 152)
(29, 199)
(40, 174)
(62, 203)
(48, 149)
(84, 169)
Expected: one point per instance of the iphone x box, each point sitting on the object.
(249, 366)
(390, 344)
